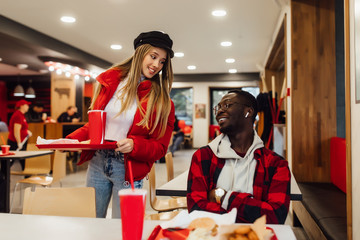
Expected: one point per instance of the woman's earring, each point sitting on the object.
(247, 114)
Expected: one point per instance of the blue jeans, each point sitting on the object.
(106, 173)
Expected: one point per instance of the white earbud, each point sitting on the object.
(247, 114)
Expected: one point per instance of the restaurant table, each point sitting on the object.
(5, 174)
(36, 227)
(178, 187)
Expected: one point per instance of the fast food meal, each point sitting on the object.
(243, 233)
(203, 228)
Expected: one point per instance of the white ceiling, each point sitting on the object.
(249, 25)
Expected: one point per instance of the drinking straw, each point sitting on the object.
(3, 140)
(131, 175)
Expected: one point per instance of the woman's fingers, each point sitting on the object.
(125, 145)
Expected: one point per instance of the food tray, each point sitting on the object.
(6, 154)
(77, 146)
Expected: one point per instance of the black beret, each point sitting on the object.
(156, 39)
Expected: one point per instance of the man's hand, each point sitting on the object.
(211, 195)
(125, 145)
(29, 133)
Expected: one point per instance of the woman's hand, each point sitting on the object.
(29, 133)
(125, 145)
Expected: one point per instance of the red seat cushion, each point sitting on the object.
(338, 162)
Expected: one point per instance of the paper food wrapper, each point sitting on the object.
(259, 227)
(183, 219)
(41, 140)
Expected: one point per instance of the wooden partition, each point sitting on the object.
(52, 130)
(313, 88)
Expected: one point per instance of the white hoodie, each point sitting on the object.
(238, 173)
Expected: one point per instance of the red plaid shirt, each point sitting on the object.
(271, 187)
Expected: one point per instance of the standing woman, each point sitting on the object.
(140, 118)
(18, 129)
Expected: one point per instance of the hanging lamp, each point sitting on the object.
(19, 90)
(30, 92)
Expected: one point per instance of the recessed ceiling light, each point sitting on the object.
(230, 60)
(226, 44)
(179, 54)
(116, 46)
(68, 19)
(191, 67)
(232, 71)
(218, 13)
(87, 78)
(22, 66)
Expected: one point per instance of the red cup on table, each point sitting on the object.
(132, 208)
(97, 122)
(5, 149)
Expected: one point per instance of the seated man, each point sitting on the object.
(70, 115)
(236, 171)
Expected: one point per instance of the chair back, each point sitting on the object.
(4, 135)
(37, 165)
(73, 202)
(169, 166)
(59, 167)
(152, 187)
(162, 205)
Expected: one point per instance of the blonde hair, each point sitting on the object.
(158, 99)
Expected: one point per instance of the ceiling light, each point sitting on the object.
(179, 54)
(22, 66)
(76, 76)
(232, 71)
(218, 13)
(30, 93)
(230, 60)
(191, 67)
(68, 19)
(51, 68)
(58, 71)
(19, 91)
(43, 71)
(67, 74)
(87, 78)
(226, 44)
(116, 46)
(0, 59)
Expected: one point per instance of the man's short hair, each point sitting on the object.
(248, 99)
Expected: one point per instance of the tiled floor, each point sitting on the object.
(181, 159)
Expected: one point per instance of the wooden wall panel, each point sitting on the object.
(313, 88)
(62, 94)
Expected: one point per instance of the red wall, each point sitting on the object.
(3, 102)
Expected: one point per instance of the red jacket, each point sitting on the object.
(147, 148)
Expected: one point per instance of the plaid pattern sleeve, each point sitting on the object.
(201, 180)
(271, 187)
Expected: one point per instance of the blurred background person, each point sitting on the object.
(3, 126)
(178, 137)
(70, 115)
(35, 113)
(18, 129)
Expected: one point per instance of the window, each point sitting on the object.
(217, 93)
(183, 101)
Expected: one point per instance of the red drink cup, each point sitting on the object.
(132, 207)
(97, 121)
(5, 149)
